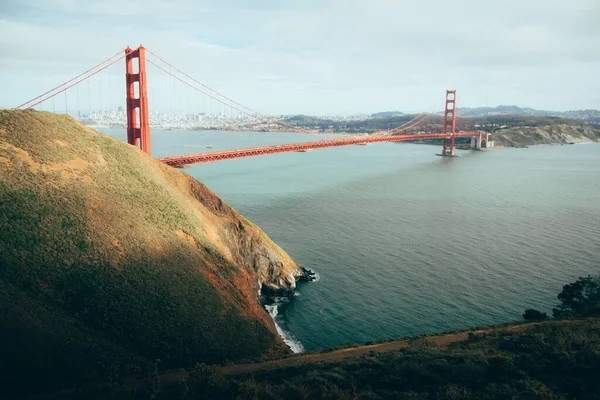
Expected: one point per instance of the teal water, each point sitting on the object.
(406, 242)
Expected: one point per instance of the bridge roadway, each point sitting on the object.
(180, 161)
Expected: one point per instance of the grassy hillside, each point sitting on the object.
(110, 261)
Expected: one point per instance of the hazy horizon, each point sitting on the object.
(365, 114)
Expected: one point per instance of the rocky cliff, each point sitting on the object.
(546, 134)
(109, 258)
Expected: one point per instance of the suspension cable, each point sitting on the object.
(70, 80)
(240, 108)
(413, 122)
(205, 86)
(248, 109)
(77, 82)
(262, 116)
(425, 116)
(403, 125)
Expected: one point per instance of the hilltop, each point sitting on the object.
(112, 264)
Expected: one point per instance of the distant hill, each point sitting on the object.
(387, 114)
(110, 261)
(517, 131)
(508, 129)
(583, 115)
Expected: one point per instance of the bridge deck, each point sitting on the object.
(180, 161)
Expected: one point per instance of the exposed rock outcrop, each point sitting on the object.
(546, 134)
(247, 245)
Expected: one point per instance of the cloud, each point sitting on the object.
(319, 57)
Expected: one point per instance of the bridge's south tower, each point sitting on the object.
(138, 127)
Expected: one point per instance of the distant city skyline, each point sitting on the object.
(329, 57)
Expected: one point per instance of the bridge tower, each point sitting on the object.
(449, 123)
(138, 127)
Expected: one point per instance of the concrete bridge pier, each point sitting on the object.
(481, 142)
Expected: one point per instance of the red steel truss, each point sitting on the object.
(181, 161)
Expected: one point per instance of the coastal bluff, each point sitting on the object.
(110, 259)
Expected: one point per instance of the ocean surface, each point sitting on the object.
(405, 242)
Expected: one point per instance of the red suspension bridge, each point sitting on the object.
(138, 116)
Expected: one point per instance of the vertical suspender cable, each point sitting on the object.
(78, 109)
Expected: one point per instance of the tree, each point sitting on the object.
(534, 315)
(579, 299)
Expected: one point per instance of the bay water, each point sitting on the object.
(405, 242)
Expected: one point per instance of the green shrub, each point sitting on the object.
(534, 315)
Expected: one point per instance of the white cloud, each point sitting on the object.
(319, 56)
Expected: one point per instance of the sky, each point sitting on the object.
(320, 57)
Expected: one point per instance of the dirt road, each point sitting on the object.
(237, 369)
(340, 354)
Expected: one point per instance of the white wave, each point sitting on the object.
(316, 276)
(289, 339)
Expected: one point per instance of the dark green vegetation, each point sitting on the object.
(546, 360)
(549, 361)
(579, 299)
(110, 261)
(534, 315)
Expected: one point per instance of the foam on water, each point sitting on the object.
(316, 276)
(289, 339)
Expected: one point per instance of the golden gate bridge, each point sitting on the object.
(138, 126)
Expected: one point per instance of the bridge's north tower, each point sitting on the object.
(449, 123)
(138, 127)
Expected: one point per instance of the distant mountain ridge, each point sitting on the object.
(583, 115)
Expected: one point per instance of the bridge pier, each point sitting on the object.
(448, 149)
(481, 142)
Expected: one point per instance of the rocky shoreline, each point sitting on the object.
(275, 300)
(268, 294)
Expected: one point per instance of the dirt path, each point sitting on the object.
(340, 354)
(236, 369)
(335, 355)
